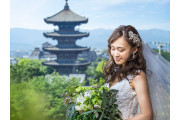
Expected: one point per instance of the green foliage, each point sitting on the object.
(26, 69)
(99, 59)
(26, 103)
(96, 72)
(110, 111)
(41, 98)
(165, 54)
(54, 86)
(104, 51)
(101, 102)
(37, 93)
(80, 58)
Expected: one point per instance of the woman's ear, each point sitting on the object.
(135, 49)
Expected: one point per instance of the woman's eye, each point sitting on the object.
(121, 50)
(112, 49)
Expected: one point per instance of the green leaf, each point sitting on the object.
(101, 116)
(104, 100)
(88, 112)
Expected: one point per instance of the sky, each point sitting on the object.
(107, 14)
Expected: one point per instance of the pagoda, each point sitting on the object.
(66, 36)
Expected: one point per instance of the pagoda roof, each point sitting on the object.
(65, 48)
(66, 15)
(57, 34)
(67, 62)
(36, 53)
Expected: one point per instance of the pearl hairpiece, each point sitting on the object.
(134, 37)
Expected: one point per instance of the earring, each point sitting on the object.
(133, 55)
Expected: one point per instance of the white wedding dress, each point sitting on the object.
(126, 98)
(158, 79)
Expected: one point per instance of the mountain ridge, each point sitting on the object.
(27, 39)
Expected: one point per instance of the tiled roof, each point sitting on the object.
(36, 52)
(56, 34)
(67, 62)
(66, 15)
(66, 48)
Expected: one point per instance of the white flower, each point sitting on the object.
(78, 108)
(97, 106)
(88, 93)
(80, 99)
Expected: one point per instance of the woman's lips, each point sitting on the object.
(117, 60)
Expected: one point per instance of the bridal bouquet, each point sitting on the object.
(91, 103)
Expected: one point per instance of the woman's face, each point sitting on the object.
(121, 51)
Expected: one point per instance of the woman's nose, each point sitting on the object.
(116, 53)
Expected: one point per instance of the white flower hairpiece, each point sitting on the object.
(134, 37)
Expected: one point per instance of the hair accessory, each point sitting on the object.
(134, 37)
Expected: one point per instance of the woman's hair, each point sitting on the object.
(111, 70)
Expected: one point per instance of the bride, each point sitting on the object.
(140, 74)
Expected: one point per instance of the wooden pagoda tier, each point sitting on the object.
(66, 35)
(67, 62)
(68, 66)
(66, 16)
(57, 49)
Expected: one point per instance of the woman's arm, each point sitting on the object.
(141, 88)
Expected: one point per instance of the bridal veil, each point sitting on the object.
(158, 77)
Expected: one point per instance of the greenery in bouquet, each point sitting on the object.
(91, 103)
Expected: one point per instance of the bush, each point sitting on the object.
(41, 98)
(54, 86)
(26, 103)
(26, 69)
(95, 71)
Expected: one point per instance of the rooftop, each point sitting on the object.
(66, 48)
(67, 62)
(57, 34)
(36, 52)
(66, 15)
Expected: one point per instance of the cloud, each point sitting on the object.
(164, 26)
(117, 2)
(101, 13)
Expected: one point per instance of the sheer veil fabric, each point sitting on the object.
(158, 78)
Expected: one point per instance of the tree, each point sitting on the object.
(41, 98)
(165, 54)
(36, 92)
(54, 86)
(95, 71)
(26, 103)
(26, 69)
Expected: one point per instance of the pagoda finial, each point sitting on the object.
(66, 7)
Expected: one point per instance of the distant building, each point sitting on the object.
(92, 56)
(88, 55)
(13, 60)
(38, 54)
(103, 55)
(66, 36)
(18, 53)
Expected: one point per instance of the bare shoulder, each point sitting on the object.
(142, 74)
(140, 79)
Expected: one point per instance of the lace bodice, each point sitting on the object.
(126, 98)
